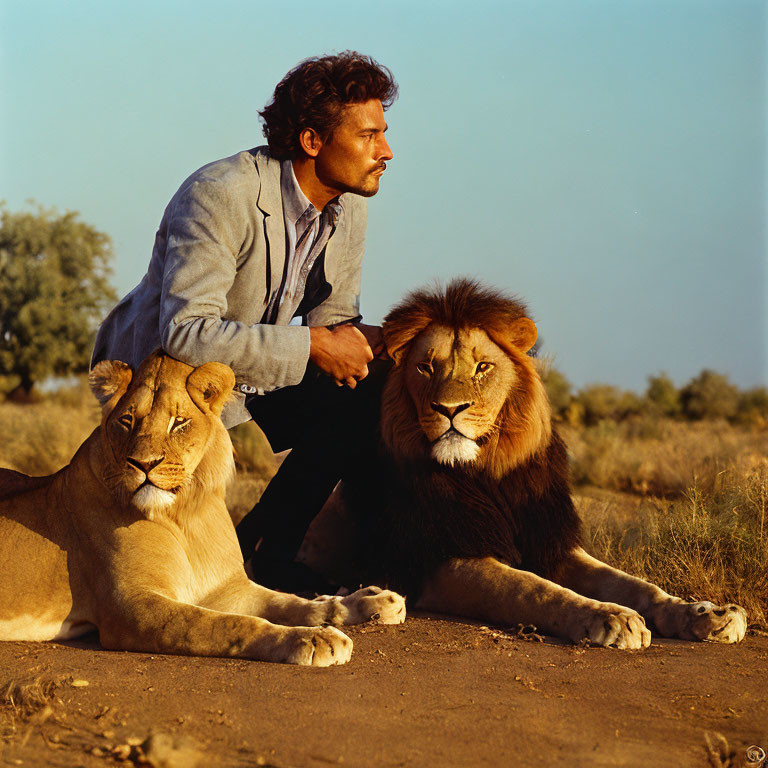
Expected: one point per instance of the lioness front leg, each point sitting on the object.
(484, 588)
(153, 623)
(669, 616)
(369, 604)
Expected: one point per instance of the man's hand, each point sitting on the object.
(374, 338)
(343, 353)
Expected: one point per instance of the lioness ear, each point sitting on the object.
(108, 381)
(521, 334)
(210, 386)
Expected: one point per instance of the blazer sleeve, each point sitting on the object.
(344, 302)
(207, 226)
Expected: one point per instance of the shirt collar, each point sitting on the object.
(297, 205)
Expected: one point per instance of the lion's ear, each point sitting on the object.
(398, 337)
(521, 334)
(109, 380)
(210, 386)
(524, 333)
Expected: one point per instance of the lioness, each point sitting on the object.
(478, 518)
(133, 536)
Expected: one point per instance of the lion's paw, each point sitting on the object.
(615, 626)
(317, 647)
(374, 604)
(369, 604)
(703, 621)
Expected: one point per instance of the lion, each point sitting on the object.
(133, 537)
(472, 514)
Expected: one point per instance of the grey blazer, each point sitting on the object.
(217, 261)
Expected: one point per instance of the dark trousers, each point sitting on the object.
(333, 433)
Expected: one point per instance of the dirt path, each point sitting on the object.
(428, 693)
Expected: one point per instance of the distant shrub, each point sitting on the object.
(753, 407)
(710, 396)
(558, 391)
(603, 401)
(663, 396)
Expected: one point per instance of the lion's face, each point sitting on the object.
(458, 382)
(157, 427)
(463, 389)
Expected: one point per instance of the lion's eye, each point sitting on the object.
(177, 422)
(126, 420)
(483, 367)
(424, 368)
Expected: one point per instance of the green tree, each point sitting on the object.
(54, 291)
(709, 396)
(663, 396)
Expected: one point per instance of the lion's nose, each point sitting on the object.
(449, 411)
(144, 465)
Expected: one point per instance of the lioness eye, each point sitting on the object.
(483, 367)
(425, 369)
(126, 420)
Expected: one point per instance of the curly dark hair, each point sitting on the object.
(314, 93)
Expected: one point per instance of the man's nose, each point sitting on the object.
(385, 153)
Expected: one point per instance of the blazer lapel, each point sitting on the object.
(270, 202)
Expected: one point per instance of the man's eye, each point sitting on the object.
(126, 420)
(424, 368)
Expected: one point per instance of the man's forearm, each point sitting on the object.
(263, 356)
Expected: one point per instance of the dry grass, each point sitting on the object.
(27, 702)
(704, 545)
(661, 457)
(42, 437)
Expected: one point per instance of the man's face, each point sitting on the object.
(355, 156)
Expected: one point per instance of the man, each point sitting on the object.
(257, 264)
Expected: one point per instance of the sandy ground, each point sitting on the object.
(431, 692)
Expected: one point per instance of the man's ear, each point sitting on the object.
(210, 386)
(310, 141)
(109, 380)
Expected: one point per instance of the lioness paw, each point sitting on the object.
(616, 627)
(317, 647)
(703, 621)
(369, 604)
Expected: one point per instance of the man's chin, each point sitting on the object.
(367, 190)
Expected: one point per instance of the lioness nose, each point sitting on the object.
(145, 465)
(449, 411)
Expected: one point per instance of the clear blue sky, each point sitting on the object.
(604, 159)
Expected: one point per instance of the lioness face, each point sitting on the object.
(458, 381)
(156, 427)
